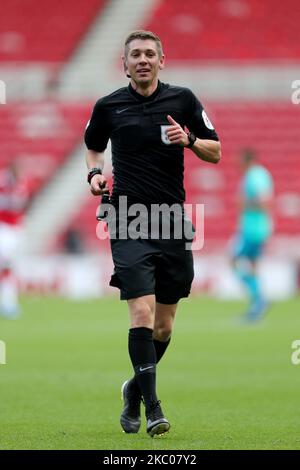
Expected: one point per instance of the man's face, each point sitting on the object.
(143, 61)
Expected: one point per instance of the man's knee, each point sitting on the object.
(162, 332)
(164, 318)
(141, 314)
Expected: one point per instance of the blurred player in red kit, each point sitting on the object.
(13, 201)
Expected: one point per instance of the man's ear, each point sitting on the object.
(124, 64)
(161, 62)
(125, 68)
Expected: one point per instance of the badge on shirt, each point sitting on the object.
(164, 135)
(207, 121)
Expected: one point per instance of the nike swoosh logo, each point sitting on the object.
(145, 368)
(119, 111)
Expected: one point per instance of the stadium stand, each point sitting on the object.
(46, 133)
(270, 128)
(40, 136)
(28, 28)
(227, 30)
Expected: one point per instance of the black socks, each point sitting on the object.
(143, 357)
(160, 348)
(145, 352)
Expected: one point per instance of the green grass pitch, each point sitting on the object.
(223, 385)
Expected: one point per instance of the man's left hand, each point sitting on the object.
(176, 134)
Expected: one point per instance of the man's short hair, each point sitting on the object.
(142, 34)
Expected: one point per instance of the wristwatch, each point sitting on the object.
(92, 172)
(192, 139)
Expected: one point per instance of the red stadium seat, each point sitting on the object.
(32, 31)
(227, 29)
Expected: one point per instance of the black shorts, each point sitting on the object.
(147, 266)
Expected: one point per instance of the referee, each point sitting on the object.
(146, 123)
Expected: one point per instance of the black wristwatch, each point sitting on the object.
(92, 172)
(192, 139)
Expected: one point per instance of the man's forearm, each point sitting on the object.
(95, 159)
(207, 150)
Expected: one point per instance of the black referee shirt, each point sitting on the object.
(146, 168)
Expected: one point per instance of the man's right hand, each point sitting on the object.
(98, 185)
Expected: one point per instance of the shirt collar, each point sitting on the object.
(142, 98)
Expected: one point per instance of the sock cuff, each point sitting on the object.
(166, 343)
(141, 333)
